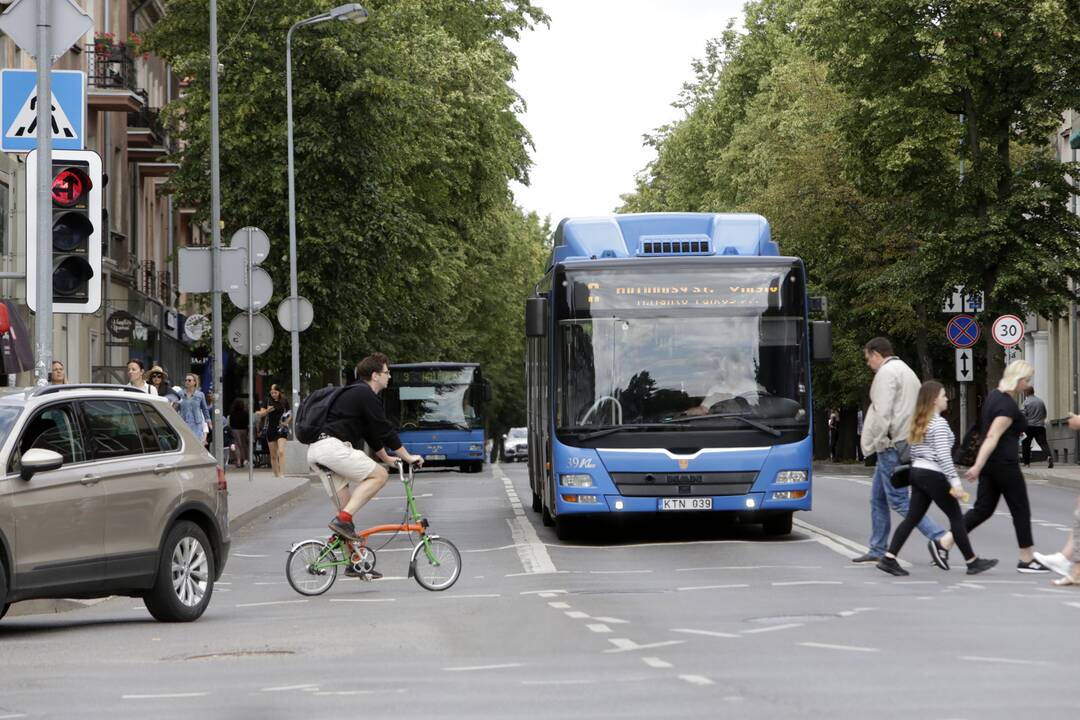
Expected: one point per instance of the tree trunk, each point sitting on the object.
(922, 349)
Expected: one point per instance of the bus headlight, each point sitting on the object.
(790, 476)
(580, 481)
(475, 448)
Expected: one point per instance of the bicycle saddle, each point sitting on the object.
(323, 468)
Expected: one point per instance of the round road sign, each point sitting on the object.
(1008, 330)
(262, 289)
(303, 309)
(260, 244)
(196, 326)
(261, 328)
(963, 331)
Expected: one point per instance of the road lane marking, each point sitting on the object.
(655, 662)
(685, 543)
(559, 605)
(557, 682)
(164, 696)
(286, 688)
(271, 602)
(576, 614)
(1008, 661)
(1073, 604)
(807, 582)
(248, 556)
(852, 648)
(855, 611)
(467, 597)
(627, 645)
(543, 593)
(696, 679)
(471, 668)
(363, 599)
(612, 621)
(837, 543)
(707, 633)
(13, 716)
(711, 587)
(598, 627)
(532, 553)
(771, 628)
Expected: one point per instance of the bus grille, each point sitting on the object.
(674, 484)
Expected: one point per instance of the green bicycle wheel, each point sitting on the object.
(443, 572)
(311, 567)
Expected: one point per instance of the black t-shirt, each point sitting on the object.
(998, 404)
(357, 416)
(239, 420)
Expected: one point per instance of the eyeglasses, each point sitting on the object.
(385, 372)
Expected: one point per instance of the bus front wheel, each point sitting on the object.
(777, 524)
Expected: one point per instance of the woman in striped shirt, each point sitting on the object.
(933, 477)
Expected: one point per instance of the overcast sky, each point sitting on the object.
(603, 75)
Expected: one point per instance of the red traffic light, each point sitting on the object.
(70, 186)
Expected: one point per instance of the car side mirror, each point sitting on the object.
(38, 460)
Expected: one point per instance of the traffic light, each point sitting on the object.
(75, 209)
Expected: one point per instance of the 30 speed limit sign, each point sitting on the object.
(1008, 330)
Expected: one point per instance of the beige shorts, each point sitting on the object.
(346, 463)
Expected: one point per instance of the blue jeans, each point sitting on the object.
(884, 496)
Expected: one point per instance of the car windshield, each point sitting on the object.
(518, 433)
(9, 413)
(709, 345)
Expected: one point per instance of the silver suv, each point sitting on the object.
(105, 491)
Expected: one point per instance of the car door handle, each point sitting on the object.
(90, 479)
(162, 469)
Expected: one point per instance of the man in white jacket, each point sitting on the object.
(892, 403)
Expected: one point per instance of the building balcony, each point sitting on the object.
(110, 80)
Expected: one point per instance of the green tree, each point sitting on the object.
(406, 139)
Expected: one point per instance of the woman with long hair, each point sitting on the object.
(193, 409)
(933, 478)
(276, 428)
(997, 466)
(136, 371)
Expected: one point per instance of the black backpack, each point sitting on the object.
(313, 411)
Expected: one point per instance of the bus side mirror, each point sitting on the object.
(536, 317)
(821, 340)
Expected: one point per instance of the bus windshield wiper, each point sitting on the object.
(734, 416)
(618, 428)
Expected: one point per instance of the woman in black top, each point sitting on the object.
(997, 466)
(239, 422)
(277, 429)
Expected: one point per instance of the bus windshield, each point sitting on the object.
(432, 398)
(686, 346)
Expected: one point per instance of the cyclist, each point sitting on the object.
(357, 416)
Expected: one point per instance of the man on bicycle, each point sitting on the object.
(357, 416)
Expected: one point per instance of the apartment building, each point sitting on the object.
(139, 317)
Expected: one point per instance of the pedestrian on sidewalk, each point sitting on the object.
(240, 422)
(997, 466)
(888, 421)
(276, 434)
(834, 433)
(136, 371)
(193, 409)
(1035, 411)
(933, 478)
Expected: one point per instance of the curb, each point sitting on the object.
(273, 503)
(1041, 477)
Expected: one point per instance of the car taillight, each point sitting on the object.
(222, 483)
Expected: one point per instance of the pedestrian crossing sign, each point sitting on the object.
(18, 110)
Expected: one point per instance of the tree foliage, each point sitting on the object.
(406, 137)
(839, 121)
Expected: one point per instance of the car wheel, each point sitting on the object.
(185, 577)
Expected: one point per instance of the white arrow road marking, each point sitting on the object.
(655, 662)
(626, 645)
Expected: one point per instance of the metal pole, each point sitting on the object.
(963, 385)
(215, 246)
(43, 328)
(1073, 336)
(294, 333)
(963, 408)
(251, 361)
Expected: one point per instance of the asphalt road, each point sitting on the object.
(681, 618)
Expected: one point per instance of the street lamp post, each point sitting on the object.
(351, 12)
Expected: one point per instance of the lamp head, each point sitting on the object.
(352, 12)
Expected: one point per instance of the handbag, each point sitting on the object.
(901, 474)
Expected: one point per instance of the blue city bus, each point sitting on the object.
(668, 369)
(436, 408)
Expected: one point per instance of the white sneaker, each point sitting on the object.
(1056, 562)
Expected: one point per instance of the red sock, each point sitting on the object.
(344, 517)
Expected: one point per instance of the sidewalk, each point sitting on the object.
(1065, 476)
(249, 500)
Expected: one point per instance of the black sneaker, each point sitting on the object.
(351, 571)
(345, 529)
(891, 566)
(1031, 567)
(979, 565)
(866, 558)
(938, 554)
(1050, 464)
